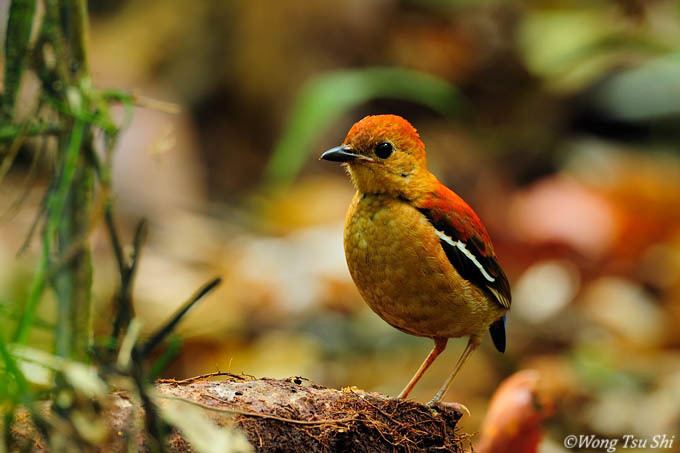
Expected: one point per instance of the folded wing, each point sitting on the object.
(468, 247)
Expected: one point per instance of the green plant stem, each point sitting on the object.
(72, 282)
(35, 292)
(70, 224)
(10, 132)
(74, 17)
(19, 24)
(56, 202)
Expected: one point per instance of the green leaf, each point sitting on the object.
(572, 47)
(326, 98)
(13, 370)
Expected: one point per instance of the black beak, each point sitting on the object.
(340, 154)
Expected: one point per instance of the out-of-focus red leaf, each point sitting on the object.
(517, 410)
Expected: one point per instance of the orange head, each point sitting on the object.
(385, 155)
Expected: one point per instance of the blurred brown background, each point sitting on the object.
(564, 138)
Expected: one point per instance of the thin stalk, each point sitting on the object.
(35, 292)
(17, 37)
(11, 132)
(124, 308)
(162, 332)
(55, 209)
(72, 282)
(76, 26)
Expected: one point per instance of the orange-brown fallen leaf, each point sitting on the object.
(516, 413)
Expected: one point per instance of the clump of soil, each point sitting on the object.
(277, 415)
(296, 415)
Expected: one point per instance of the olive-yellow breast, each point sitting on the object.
(403, 274)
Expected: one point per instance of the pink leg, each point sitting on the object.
(473, 342)
(439, 346)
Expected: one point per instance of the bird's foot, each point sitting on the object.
(458, 407)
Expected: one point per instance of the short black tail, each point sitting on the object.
(497, 331)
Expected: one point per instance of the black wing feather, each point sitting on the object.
(499, 288)
(497, 331)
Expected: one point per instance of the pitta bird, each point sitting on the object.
(419, 255)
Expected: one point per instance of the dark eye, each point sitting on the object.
(383, 150)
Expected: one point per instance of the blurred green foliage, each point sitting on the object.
(572, 47)
(326, 98)
(651, 91)
(79, 169)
